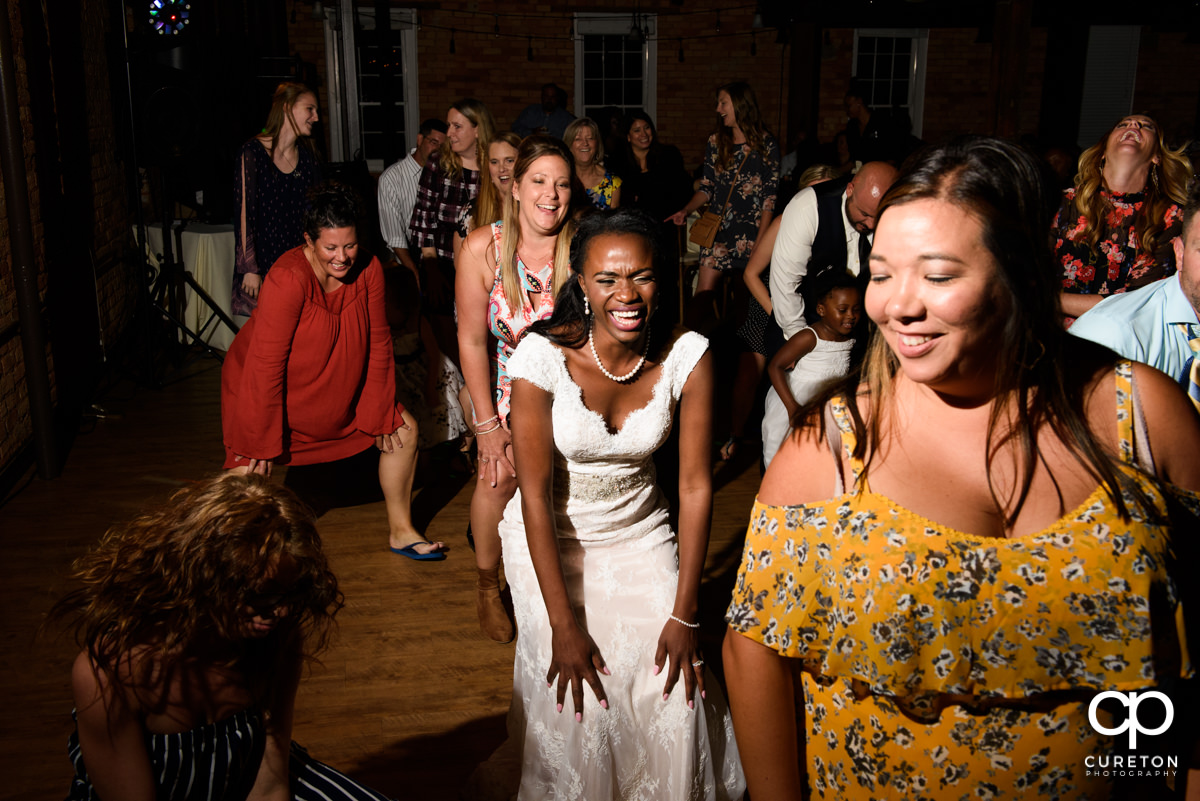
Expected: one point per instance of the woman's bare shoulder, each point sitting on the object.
(805, 469)
(477, 250)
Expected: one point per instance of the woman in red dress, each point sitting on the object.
(310, 379)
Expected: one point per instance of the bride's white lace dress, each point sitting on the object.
(620, 559)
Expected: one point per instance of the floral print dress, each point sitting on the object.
(601, 194)
(1116, 265)
(941, 665)
(508, 326)
(753, 194)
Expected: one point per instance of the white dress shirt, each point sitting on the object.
(793, 249)
(397, 195)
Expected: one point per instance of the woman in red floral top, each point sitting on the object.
(1114, 229)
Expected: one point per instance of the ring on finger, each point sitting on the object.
(483, 459)
(698, 663)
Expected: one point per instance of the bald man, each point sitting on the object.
(825, 227)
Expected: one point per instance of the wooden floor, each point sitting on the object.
(409, 698)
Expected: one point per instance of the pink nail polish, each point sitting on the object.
(664, 696)
(604, 704)
(703, 695)
(579, 717)
(656, 669)
(691, 704)
(560, 707)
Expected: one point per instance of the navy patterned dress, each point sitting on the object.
(275, 206)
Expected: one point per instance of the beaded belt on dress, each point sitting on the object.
(589, 487)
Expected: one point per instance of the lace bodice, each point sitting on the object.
(597, 471)
(620, 565)
(581, 436)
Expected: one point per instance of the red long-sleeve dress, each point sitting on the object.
(311, 377)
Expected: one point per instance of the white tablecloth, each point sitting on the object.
(207, 253)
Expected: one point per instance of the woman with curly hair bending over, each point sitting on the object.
(1115, 228)
(195, 619)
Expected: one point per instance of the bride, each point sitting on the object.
(606, 597)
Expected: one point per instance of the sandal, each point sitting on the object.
(728, 448)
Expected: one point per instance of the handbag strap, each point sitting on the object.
(733, 183)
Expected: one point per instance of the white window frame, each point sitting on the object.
(341, 74)
(620, 24)
(916, 74)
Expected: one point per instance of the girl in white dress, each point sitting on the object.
(606, 596)
(812, 359)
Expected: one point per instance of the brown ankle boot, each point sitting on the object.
(495, 617)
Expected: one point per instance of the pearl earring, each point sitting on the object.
(587, 307)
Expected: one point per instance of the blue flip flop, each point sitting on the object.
(412, 553)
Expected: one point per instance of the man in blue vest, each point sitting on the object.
(825, 227)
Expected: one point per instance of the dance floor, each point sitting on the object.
(409, 698)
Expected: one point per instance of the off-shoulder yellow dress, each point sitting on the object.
(943, 665)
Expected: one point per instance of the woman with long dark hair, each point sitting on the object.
(606, 595)
(310, 379)
(965, 551)
(741, 164)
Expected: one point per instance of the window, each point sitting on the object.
(890, 65)
(371, 84)
(611, 67)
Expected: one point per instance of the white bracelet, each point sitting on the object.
(684, 622)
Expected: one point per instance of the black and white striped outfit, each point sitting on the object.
(220, 761)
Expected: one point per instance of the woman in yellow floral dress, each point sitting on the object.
(965, 550)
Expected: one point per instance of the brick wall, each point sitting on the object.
(1167, 84)
(117, 285)
(17, 430)
(958, 93)
(498, 72)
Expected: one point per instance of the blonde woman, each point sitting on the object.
(489, 205)
(603, 188)
(1115, 228)
(508, 274)
(449, 185)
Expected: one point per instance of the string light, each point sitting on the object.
(718, 20)
(496, 27)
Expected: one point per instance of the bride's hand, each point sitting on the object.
(682, 645)
(574, 659)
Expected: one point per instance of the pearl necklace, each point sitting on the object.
(620, 379)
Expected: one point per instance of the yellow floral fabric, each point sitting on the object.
(938, 664)
(601, 194)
